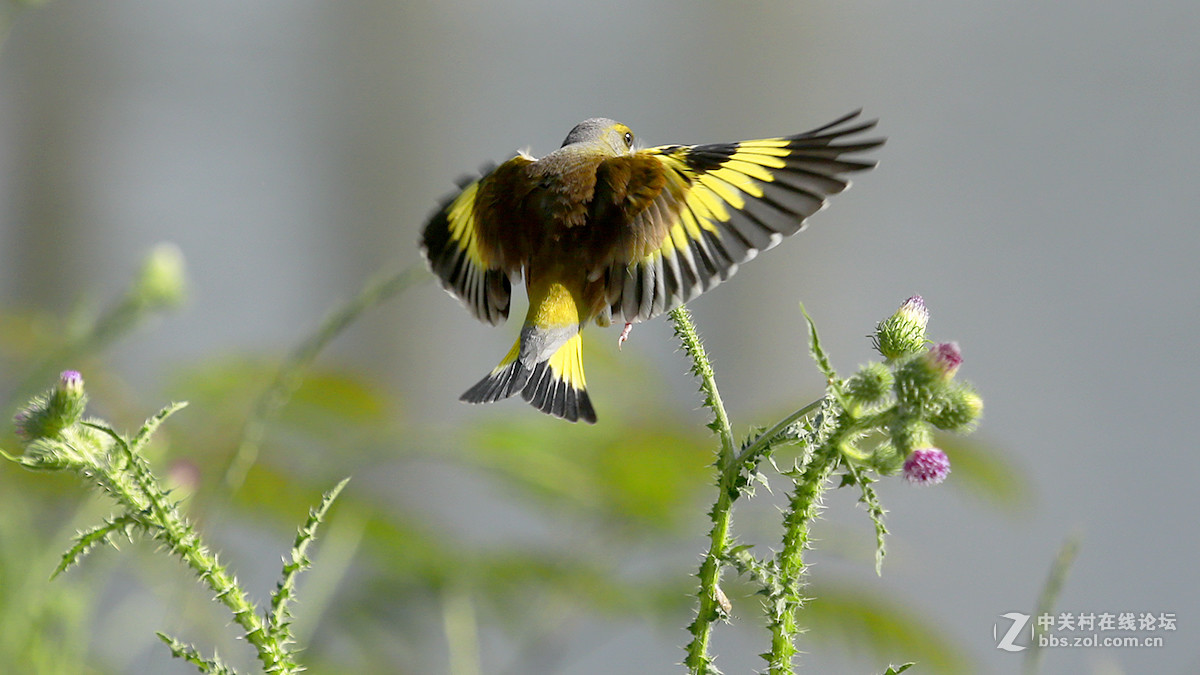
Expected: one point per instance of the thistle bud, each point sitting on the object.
(922, 380)
(68, 400)
(870, 384)
(48, 414)
(50, 427)
(886, 459)
(183, 478)
(903, 332)
(957, 409)
(926, 466)
(944, 358)
(162, 283)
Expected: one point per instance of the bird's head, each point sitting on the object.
(603, 134)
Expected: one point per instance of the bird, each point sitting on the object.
(604, 230)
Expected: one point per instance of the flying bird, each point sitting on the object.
(602, 230)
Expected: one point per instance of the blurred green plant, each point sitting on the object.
(9, 9)
(159, 286)
(1048, 597)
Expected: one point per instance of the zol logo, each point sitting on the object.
(1008, 642)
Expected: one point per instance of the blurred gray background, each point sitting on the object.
(1038, 188)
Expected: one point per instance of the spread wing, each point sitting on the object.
(714, 207)
(464, 243)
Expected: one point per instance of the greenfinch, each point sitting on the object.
(604, 231)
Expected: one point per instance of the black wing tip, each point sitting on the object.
(836, 129)
(852, 116)
(556, 397)
(498, 384)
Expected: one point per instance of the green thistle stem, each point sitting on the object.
(280, 614)
(802, 511)
(685, 330)
(181, 539)
(136, 487)
(698, 659)
(1049, 595)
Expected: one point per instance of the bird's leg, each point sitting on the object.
(624, 334)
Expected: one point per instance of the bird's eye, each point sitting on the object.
(629, 139)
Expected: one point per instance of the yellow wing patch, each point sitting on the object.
(452, 245)
(723, 204)
(461, 219)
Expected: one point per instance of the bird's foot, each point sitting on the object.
(624, 335)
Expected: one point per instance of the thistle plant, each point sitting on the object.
(58, 437)
(878, 422)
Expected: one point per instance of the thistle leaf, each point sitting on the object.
(87, 540)
(152, 424)
(814, 348)
(182, 650)
(279, 625)
(875, 510)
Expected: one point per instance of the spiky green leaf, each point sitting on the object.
(279, 625)
(182, 650)
(151, 425)
(87, 540)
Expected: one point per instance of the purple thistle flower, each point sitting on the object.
(926, 466)
(945, 358)
(71, 382)
(915, 311)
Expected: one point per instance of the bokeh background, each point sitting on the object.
(1038, 189)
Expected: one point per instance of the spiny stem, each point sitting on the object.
(168, 526)
(186, 544)
(785, 597)
(685, 330)
(697, 659)
(279, 626)
(802, 511)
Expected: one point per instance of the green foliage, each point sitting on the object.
(88, 539)
(288, 379)
(867, 623)
(643, 475)
(182, 650)
(985, 474)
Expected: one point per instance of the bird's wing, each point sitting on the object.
(464, 242)
(713, 207)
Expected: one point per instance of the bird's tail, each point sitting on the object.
(554, 384)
